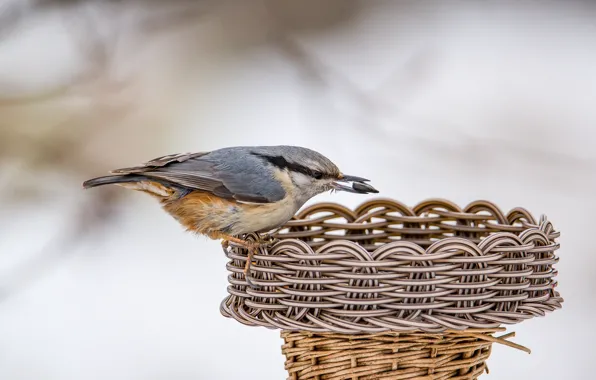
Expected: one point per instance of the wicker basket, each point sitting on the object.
(391, 292)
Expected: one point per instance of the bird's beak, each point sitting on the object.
(358, 185)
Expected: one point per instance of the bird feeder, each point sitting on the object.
(386, 291)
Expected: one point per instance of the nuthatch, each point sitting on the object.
(237, 190)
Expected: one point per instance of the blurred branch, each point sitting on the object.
(51, 130)
(370, 104)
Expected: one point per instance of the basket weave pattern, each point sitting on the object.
(387, 267)
(331, 356)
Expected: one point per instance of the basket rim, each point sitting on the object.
(301, 219)
(418, 208)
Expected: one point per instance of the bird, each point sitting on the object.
(233, 191)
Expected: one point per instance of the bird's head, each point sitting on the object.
(311, 173)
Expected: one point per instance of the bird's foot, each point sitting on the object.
(263, 241)
(251, 246)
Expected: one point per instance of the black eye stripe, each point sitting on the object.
(281, 163)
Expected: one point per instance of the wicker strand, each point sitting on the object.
(386, 267)
(390, 356)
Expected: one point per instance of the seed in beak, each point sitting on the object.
(357, 186)
(363, 188)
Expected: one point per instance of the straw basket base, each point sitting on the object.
(389, 356)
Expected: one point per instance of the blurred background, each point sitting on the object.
(457, 99)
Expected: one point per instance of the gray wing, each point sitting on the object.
(231, 174)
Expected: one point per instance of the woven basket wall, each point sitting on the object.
(391, 292)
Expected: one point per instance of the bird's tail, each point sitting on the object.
(113, 179)
(160, 189)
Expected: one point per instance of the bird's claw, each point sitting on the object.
(251, 251)
(252, 247)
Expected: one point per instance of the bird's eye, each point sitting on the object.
(317, 175)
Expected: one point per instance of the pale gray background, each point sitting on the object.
(461, 100)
